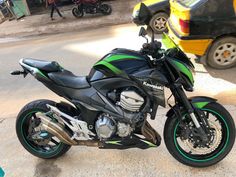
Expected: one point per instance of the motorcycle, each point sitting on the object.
(90, 7)
(110, 107)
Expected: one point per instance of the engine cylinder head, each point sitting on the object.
(131, 101)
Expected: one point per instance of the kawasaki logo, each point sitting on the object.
(153, 86)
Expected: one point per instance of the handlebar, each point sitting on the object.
(153, 49)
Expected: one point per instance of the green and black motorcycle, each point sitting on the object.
(111, 106)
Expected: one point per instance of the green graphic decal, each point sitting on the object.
(184, 70)
(110, 66)
(40, 73)
(119, 57)
(107, 62)
(149, 143)
(200, 104)
(113, 142)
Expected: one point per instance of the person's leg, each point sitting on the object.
(58, 11)
(52, 10)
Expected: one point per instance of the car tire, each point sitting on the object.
(222, 53)
(158, 22)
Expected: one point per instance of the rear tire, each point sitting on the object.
(22, 125)
(77, 12)
(106, 9)
(201, 160)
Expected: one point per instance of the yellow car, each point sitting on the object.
(160, 10)
(205, 28)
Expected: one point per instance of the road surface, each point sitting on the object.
(78, 52)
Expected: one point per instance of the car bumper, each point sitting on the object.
(189, 44)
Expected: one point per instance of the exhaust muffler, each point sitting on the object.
(56, 129)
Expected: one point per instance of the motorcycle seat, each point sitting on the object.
(68, 79)
(47, 66)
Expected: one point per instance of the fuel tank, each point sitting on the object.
(119, 62)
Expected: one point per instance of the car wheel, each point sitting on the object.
(222, 54)
(158, 22)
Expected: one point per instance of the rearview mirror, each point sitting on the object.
(142, 32)
(143, 16)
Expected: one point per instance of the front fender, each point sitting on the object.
(197, 102)
(201, 101)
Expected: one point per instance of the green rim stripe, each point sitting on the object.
(41, 152)
(184, 69)
(205, 160)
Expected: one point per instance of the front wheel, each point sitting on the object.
(185, 146)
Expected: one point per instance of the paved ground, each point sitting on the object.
(78, 52)
(42, 24)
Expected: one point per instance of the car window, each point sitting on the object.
(190, 3)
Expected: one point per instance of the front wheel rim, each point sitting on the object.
(225, 54)
(209, 157)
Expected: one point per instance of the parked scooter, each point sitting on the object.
(90, 7)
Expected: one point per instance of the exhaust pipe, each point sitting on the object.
(55, 129)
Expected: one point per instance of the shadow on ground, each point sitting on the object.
(227, 74)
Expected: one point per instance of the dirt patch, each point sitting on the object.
(47, 168)
(1, 120)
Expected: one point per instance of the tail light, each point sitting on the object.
(184, 25)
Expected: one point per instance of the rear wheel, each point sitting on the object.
(106, 9)
(222, 54)
(77, 12)
(187, 148)
(39, 143)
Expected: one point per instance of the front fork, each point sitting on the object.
(191, 111)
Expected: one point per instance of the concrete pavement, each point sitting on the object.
(42, 24)
(82, 161)
(78, 52)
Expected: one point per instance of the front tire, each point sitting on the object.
(206, 157)
(51, 149)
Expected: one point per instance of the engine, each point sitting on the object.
(106, 127)
(131, 101)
